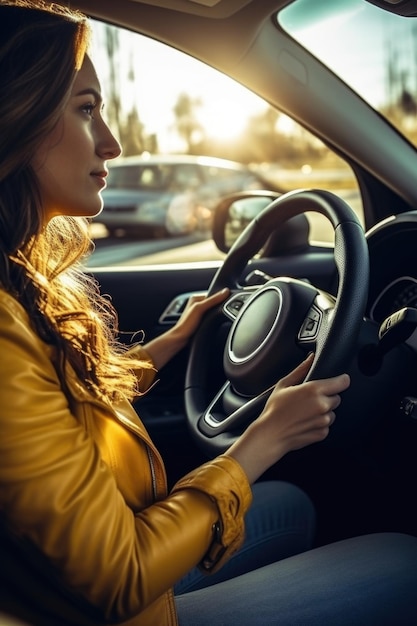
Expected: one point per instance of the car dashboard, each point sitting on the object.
(393, 268)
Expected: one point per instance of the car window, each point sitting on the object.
(381, 64)
(163, 106)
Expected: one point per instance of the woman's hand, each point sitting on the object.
(194, 311)
(164, 347)
(296, 415)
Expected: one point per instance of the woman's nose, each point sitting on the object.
(108, 146)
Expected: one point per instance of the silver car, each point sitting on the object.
(161, 196)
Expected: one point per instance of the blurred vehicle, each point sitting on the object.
(169, 195)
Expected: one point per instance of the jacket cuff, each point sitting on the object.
(225, 482)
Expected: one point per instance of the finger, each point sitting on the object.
(327, 422)
(298, 373)
(323, 425)
(335, 385)
(328, 418)
(209, 302)
(206, 302)
(219, 296)
(332, 417)
(327, 404)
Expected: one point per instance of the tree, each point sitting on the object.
(111, 39)
(132, 134)
(187, 125)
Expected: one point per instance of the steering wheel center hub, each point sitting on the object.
(262, 345)
(254, 327)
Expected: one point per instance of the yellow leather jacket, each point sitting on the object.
(88, 534)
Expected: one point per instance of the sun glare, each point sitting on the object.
(223, 119)
(161, 75)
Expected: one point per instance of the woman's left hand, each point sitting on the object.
(163, 348)
(194, 311)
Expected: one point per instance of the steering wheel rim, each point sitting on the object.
(334, 343)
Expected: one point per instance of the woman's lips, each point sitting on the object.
(100, 177)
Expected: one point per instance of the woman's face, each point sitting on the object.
(71, 162)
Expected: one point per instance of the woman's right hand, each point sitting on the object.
(296, 415)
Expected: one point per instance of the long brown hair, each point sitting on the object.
(42, 47)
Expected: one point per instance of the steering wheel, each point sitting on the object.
(272, 327)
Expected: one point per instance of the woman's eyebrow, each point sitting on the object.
(90, 91)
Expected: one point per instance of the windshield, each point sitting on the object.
(379, 63)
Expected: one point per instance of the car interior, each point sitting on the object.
(351, 299)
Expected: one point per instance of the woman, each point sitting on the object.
(88, 532)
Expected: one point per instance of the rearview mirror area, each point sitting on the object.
(234, 212)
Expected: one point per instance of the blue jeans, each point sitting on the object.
(365, 581)
(280, 523)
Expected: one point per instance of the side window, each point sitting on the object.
(164, 106)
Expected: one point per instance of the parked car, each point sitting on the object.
(160, 195)
(341, 78)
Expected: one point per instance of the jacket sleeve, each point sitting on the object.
(58, 494)
(225, 482)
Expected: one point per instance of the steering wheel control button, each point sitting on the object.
(234, 304)
(310, 327)
(408, 407)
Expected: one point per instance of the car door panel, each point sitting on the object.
(141, 294)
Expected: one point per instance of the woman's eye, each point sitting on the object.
(89, 108)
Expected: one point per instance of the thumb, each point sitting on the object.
(297, 375)
(208, 302)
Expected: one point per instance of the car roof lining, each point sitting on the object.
(214, 9)
(196, 33)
